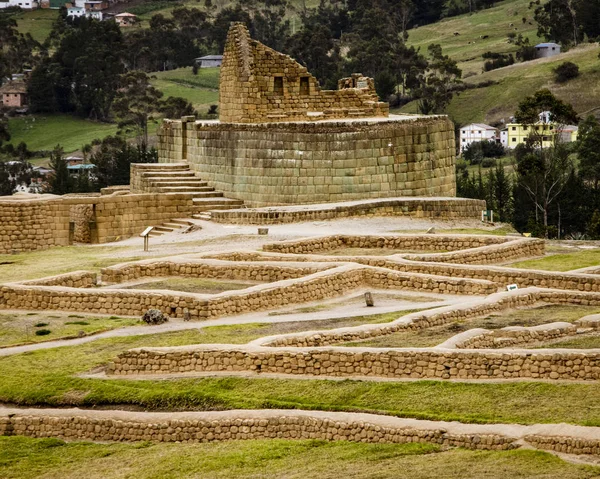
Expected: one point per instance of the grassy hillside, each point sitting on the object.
(202, 90)
(37, 22)
(468, 46)
(44, 132)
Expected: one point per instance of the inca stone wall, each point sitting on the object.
(32, 224)
(302, 163)
(259, 84)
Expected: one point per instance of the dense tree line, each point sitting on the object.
(568, 21)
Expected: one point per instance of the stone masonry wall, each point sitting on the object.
(364, 362)
(324, 284)
(29, 225)
(438, 208)
(259, 84)
(304, 163)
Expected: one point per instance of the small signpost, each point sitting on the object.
(146, 235)
(487, 216)
(512, 287)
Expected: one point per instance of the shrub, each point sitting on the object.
(478, 150)
(154, 316)
(593, 227)
(565, 71)
(42, 332)
(488, 162)
(41, 325)
(497, 60)
(80, 323)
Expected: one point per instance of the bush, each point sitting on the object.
(593, 227)
(42, 332)
(154, 316)
(488, 162)
(565, 71)
(478, 150)
(497, 60)
(41, 325)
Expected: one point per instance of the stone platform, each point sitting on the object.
(286, 163)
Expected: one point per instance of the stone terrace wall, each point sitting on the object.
(509, 337)
(76, 279)
(209, 427)
(207, 269)
(412, 363)
(248, 92)
(405, 242)
(82, 216)
(306, 163)
(325, 284)
(121, 216)
(33, 224)
(438, 208)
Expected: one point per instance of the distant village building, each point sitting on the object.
(14, 94)
(545, 50)
(477, 132)
(125, 19)
(209, 61)
(515, 133)
(24, 4)
(81, 12)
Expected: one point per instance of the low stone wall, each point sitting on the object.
(76, 279)
(405, 242)
(509, 337)
(121, 216)
(411, 363)
(189, 268)
(35, 223)
(324, 284)
(591, 321)
(437, 208)
(209, 427)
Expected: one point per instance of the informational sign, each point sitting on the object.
(362, 84)
(146, 232)
(512, 287)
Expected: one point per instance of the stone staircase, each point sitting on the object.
(179, 178)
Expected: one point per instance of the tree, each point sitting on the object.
(59, 181)
(135, 103)
(113, 159)
(589, 150)
(176, 107)
(568, 21)
(437, 83)
(543, 172)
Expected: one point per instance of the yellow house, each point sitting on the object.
(515, 134)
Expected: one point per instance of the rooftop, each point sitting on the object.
(14, 87)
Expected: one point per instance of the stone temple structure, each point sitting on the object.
(282, 140)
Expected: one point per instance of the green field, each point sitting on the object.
(44, 132)
(493, 22)
(37, 22)
(26, 458)
(565, 261)
(202, 90)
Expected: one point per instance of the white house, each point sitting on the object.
(545, 50)
(209, 61)
(24, 4)
(81, 12)
(477, 132)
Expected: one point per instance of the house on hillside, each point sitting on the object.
(545, 50)
(14, 94)
(81, 12)
(24, 4)
(515, 133)
(126, 19)
(209, 61)
(477, 132)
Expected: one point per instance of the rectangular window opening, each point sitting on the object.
(304, 86)
(278, 85)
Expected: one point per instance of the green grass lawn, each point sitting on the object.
(587, 341)
(27, 458)
(562, 262)
(47, 377)
(21, 327)
(36, 22)
(202, 90)
(44, 132)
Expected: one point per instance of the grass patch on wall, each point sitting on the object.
(562, 262)
(27, 458)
